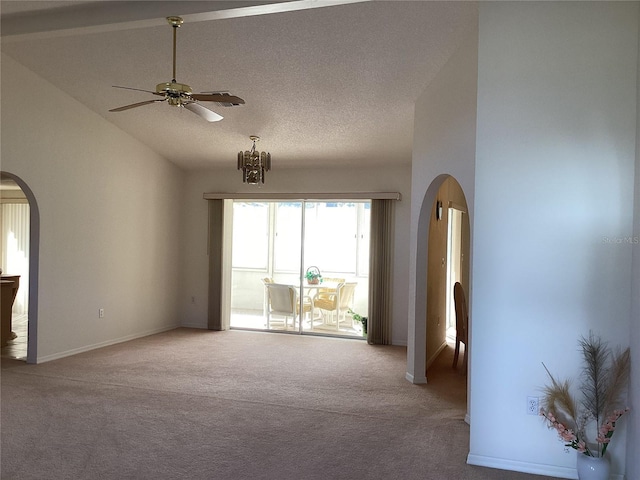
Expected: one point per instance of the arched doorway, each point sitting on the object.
(427, 319)
(448, 250)
(12, 183)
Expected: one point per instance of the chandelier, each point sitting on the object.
(253, 164)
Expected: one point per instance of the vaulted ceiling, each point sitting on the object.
(325, 82)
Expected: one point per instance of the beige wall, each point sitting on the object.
(109, 219)
(555, 167)
(444, 143)
(536, 118)
(633, 427)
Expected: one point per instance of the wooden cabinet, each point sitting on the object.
(10, 285)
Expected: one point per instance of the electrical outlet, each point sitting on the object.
(101, 313)
(532, 406)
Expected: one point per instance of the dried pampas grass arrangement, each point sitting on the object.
(605, 377)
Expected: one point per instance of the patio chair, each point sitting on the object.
(338, 303)
(283, 301)
(325, 292)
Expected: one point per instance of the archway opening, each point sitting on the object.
(20, 220)
(427, 342)
(448, 248)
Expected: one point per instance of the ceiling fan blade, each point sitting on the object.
(134, 105)
(224, 99)
(138, 90)
(205, 113)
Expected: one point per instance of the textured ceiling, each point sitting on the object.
(332, 85)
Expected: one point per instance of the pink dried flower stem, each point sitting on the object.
(566, 434)
(605, 432)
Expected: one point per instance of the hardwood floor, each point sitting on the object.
(17, 348)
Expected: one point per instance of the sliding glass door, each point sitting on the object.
(270, 239)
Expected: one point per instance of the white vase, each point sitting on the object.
(592, 468)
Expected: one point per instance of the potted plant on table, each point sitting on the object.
(313, 276)
(588, 425)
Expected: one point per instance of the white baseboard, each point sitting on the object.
(415, 379)
(86, 348)
(527, 467)
(421, 379)
(432, 358)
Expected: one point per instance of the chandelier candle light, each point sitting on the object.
(254, 164)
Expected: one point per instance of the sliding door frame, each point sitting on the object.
(220, 221)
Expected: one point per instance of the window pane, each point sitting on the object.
(286, 242)
(330, 236)
(250, 235)
(364, 239)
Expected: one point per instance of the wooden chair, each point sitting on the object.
(339, 302)
(462, 324)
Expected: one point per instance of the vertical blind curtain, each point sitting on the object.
(216, 217)
(15, 250)
(379, 327)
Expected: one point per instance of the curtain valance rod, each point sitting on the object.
(303, 196)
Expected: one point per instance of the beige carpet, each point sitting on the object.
(195, 404)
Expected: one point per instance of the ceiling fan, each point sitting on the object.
(180, 94)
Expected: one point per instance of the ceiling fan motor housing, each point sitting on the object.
(174, 91)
